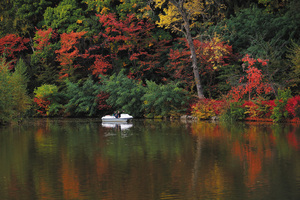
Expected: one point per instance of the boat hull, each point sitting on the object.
(114, 120)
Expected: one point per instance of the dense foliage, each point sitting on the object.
(149, 58)
(14, 100)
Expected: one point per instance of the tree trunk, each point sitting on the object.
(188, 36)
(179, 5)
(193, 56)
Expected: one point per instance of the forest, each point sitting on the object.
(231, 59)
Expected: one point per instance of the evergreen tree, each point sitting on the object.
(82, 98)
(125, 94)
(14, 101)
(164, 100)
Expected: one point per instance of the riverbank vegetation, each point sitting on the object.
(234, 60)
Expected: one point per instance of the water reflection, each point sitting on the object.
(117, 125)
(147, 159)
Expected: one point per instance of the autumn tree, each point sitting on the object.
(212, 54)
(68, 53)
(11, 45)
(254, 83)
(43, 60)
(131, 43)
(180, 15)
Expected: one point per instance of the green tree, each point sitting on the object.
(67, 16)
(294, 57)
(140, 8)
(14, 101)
(22, 16)
(43, 66)
(20, 81)
(125, 94)
(82, 98)
(164, 100)
(102, 6)
(264, 35)
(6, 19)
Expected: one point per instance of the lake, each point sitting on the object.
(149, 160)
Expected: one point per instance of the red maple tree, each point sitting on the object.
(68, 52)
(11, 45)
(254, 84)
(130, 43)
(42, 38)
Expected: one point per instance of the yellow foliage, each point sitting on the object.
(172, 17)
(159, 3)
(215, 51)
(252, 111)
(79, 21)
(203, 113)
(208, 108)
(104, 10)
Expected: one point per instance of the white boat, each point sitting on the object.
(122, 118)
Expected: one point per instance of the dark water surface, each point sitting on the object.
(146, 159)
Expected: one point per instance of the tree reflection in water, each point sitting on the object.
(83, 159)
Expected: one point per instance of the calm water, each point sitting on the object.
(146, 159)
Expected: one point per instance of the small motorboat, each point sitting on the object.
(122, 118)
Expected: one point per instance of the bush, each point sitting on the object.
(124, 94)
(234, 112)
(293, 107)
(151, 101)
(47, 99)
(83, 99)
(164, 100)
(259, 108)
(208, 108)
(279, 112)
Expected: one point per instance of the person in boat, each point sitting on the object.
(115, 114)
(118, 114)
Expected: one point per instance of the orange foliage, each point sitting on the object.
(43, 105)
(68, 52)
(100, 66)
